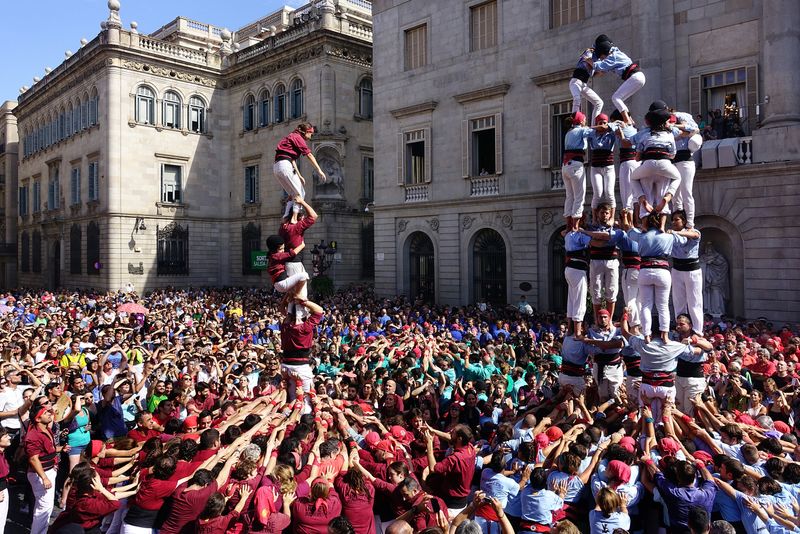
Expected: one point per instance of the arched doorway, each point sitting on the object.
(558, 283)
(421, 267)
(489, 267)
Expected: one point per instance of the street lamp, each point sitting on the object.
(322, 257)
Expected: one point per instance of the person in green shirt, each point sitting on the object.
(158, 394)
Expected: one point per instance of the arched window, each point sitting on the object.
(251, 242)
(70, 113)
(263, 107)
(297, 99)
(36, 261)
(93, 248)
(365, 98)
(279, 114)
(94, 107)
(76, 117)
(85, 111)
(197, 115)
(62, 124)
(421, 267)
(75, 245)
(172, 110)
(249, 113)
(489, 267)
(145, 106)
(173, 249)
(25, 253)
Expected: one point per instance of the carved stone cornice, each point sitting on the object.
(416, 109)
(167, 72)
(350, 55)
(483, 94)
(272, 67)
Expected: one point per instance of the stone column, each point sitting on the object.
(327, 89)
(778, 138)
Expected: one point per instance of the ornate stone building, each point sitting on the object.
(8, 198)
(469, 123)
(147, 159)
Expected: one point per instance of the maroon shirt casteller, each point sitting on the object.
(357, 507)
(292, 233)
(186, 506)
(456, 473)
(297, 338)
(42, 444)
(308, 520)
(292, 147)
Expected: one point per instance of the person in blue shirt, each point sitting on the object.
(610, 513)
(575, 143)
(577, 266)
(687, 277)
(627, 159)
(687, 142)
(609, 58)
(579, 85)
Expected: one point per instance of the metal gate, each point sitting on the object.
(421, 272)
(489, 267)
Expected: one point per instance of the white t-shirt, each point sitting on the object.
(11, 399)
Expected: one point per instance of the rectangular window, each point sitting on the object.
(560, 114)
(563, 12)
(145, 110)
(483, 22)
(416, 47)
(172, 114)
(368, 177)
(251, 185)
(75, 185)
(23, 200)
(280, 107)
(37, 196)
(727, 102)
(415, 157)
(53, 190)
(172, 253)
(482, 142)
(94, 181)
(197, 116)
(171, 184)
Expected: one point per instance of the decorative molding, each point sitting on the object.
(416, 109)
(276, 66)
(132, 269)
(548, 218)
(161, 155)
(483, 94)
(166, 72)
(402, 224)
(434, 224)
(351, 56)
(467, 222)
(506, 219)
(549, 78)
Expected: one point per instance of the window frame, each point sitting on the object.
(251, 184)
(279, 114)
(415, 56)
(36, 196)
(93, 177)
(565, 15)
(363, 91)
(367, 181)
(263, 108)
(172, 250)
(470, 166)
(75, 185)
(409, 136)
(171, 104)
(149, 101)
(491, 35)
(249, 113)
(296, 98)
(196, 104)
(177, 187)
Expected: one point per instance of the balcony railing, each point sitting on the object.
(484, 186)
(417, 193)
(556, 181)
(728, 152)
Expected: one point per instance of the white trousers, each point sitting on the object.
(576, 299)
(306, 375)
(657, 397)
(654, 284)
(630, 292)
(655, 178)
(295, 270)
(610, 382)
(684, 198)
(575, 187)
(44, 501)
(580, 90)
(627, 90)
(688, 388)
(604, 276)
(4, 507)
(290, 182)
(603, 181)
(577, 382)
(132, 529)
(625, 188)
(687, 296)
(286, 285)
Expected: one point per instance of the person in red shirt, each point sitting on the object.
(312, 514)
(42, 454)
(212, 520)
(278, 258)
(358, 497)
(289, 150)
(292, 230)
(297, 337)
(453, 476)
(202, 400)
(144, 507)
(5, 443)
(762, 369)
(145, 428)
(424, 509)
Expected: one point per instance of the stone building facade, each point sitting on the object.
(147, 159)
(8, 199)
(469, 124)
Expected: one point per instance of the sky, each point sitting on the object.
(36, 35)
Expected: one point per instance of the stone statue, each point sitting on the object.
(715, 280)
(334, 186)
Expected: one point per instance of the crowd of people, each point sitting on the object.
(258, 410)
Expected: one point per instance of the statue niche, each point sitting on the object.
(329, 160)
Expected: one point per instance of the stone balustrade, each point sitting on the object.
(417, 193)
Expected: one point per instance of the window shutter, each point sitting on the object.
(465, 155)
(428, 156)
(498, 143)
(256, 184)
(545, 133)
(694, 96)
(247, 188)
(751, 87)
(401, 157)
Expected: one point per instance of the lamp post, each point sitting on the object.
(322, 257)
